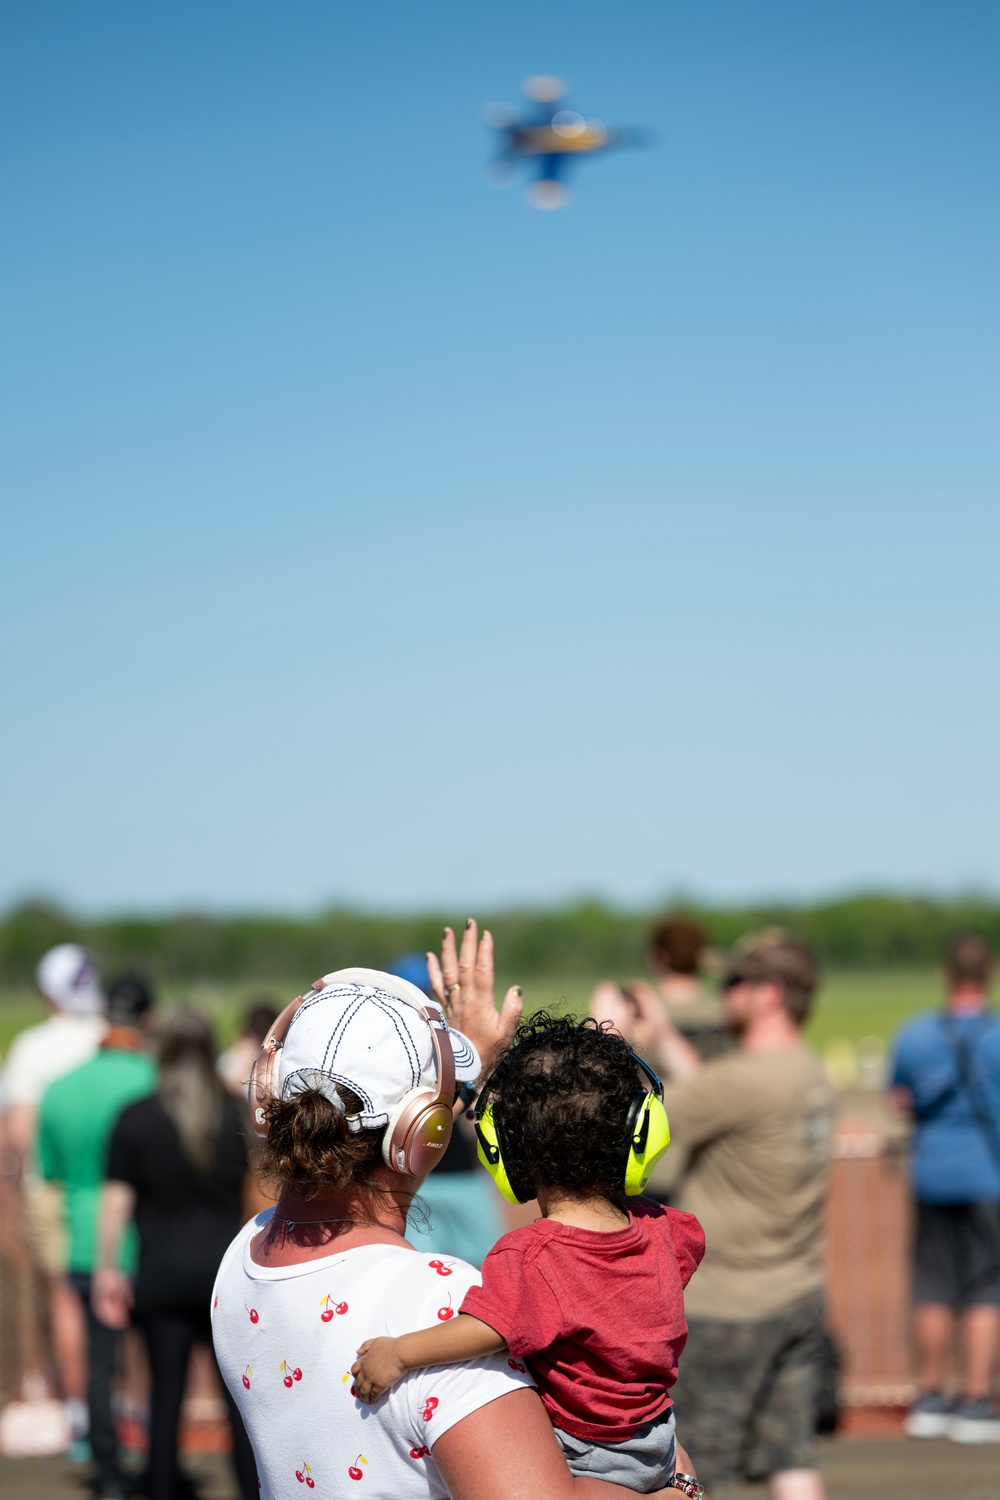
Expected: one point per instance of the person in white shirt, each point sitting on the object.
(356, 1090)
(68, 981)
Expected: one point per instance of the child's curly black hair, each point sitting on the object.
(561, 1094)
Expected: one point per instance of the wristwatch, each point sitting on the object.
(688, 1485)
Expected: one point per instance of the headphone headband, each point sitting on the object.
(654, 1077)
(261, 1087)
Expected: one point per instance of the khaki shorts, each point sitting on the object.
(45, 1227)
(747, 1394)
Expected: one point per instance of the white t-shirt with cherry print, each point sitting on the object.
(286, 1337)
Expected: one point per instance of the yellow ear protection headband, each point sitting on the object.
(647, 1137)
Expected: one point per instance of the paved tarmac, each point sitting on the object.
(855, 1468)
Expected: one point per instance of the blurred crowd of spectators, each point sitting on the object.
(129, 1142)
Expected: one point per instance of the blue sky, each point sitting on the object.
(370, 536)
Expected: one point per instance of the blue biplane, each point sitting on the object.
(550, 137)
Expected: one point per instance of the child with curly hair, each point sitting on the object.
(589, 1296)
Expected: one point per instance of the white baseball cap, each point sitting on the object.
(364, 1030)
(67, 976)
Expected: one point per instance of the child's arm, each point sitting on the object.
(383, 1361)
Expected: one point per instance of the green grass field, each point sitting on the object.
(853, 1004)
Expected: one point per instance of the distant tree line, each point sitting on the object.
(586, 938)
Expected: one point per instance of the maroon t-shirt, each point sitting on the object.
(598, 1317)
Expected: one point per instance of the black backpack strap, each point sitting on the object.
(966, 1082)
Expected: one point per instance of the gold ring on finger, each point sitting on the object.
(452, 989)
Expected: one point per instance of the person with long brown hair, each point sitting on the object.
(177, 1161)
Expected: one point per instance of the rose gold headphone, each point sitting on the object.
(420, 1125)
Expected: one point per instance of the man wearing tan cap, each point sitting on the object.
(756, 1125)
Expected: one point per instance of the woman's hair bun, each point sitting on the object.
(311, 1144)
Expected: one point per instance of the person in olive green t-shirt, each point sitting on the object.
(78, 1113)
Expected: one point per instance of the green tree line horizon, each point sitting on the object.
(863, 930)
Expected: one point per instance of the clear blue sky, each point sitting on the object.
(371, 536)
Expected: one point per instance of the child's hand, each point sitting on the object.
(376, 1368)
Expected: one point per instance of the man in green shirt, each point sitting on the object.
(78, 1113)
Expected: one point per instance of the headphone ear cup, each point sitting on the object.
(259, 1091)
(417, 1134)
(262, 1074)
(492, 1157)
(648, 1139)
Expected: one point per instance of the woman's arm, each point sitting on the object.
(112, 1290)
(507, 1451)
(383, 1361)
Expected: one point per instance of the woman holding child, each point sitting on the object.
(356, 1098)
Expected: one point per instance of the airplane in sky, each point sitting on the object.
(548, 137)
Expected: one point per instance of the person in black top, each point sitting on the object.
(177, 1160)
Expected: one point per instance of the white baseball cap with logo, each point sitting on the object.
(364, 1031)
(67, 976)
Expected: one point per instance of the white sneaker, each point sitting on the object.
(975, 1422)
(929, 1416)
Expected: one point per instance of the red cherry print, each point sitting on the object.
(330, 1307)
(310, 1482)
(440, 1267)
(287, 1381)
(215, 1303)
(419, 1452)
(354, 1472)
(246, 1377)
(430, 1405)
(254, 1314)
(304, 1476)
(246, 1382)
(300, 1476)
(516, 1364)
(444, 1313)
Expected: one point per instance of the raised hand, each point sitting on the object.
(610, 1002)
(463, 982)
(635, 1010)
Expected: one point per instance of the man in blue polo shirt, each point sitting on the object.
(946, 1073)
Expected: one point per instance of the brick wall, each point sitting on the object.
(868, 1230)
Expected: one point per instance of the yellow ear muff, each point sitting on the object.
(650, 1138)
(489, 1154)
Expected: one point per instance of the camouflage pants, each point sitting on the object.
(746, 1395)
